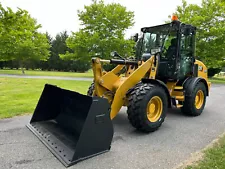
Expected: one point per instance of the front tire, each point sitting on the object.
(91, 89)
(195, 103)
(147, 107)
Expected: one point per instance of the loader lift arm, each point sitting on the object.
(118, 85)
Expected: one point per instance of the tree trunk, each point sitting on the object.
(21, 65)
(23, 71)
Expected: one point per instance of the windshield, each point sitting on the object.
(153, 41)
(158, 39)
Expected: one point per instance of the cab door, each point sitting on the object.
(186, 53)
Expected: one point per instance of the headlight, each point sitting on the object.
(113, 54)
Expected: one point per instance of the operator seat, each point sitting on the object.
(171, 52)
(168, 65)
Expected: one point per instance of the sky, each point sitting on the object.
(59, 15)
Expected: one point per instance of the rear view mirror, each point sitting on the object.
(135, 37)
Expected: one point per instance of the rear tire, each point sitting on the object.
(144, 101)
(194, 104)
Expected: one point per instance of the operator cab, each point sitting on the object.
(174, 43)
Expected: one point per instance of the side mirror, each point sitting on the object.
(135, 37)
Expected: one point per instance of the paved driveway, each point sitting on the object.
(173, 143)
(48, 77)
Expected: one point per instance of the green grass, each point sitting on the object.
(47, 73)
(20, 96)
(218, 80)
(214, 158)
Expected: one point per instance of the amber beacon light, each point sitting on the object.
(174, 18)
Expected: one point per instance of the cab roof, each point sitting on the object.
(166, 27)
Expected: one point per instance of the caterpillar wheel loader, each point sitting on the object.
(163, 74)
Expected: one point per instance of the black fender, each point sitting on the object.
(162, 84)
(190, 84)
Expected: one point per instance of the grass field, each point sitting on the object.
(214, 157)
(218, 80)
(20, 96)
(46, 73)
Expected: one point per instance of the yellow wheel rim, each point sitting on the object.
(154, 109)
(199, 99)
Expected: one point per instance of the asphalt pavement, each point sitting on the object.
(174, 142)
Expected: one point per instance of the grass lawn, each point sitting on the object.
(214, 157)
(47, 73)
(20, 96)
(218, 80)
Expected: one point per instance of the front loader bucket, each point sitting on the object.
(73, 126)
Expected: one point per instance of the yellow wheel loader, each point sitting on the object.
(164, 73)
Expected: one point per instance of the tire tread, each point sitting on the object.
(134, 115)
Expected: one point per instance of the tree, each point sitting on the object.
(209, 18)
(19, 37)
(103, 31)
(48, 36)
(58, 47)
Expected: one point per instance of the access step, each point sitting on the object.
(179, 105)
(178, 88)
(180, 98)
